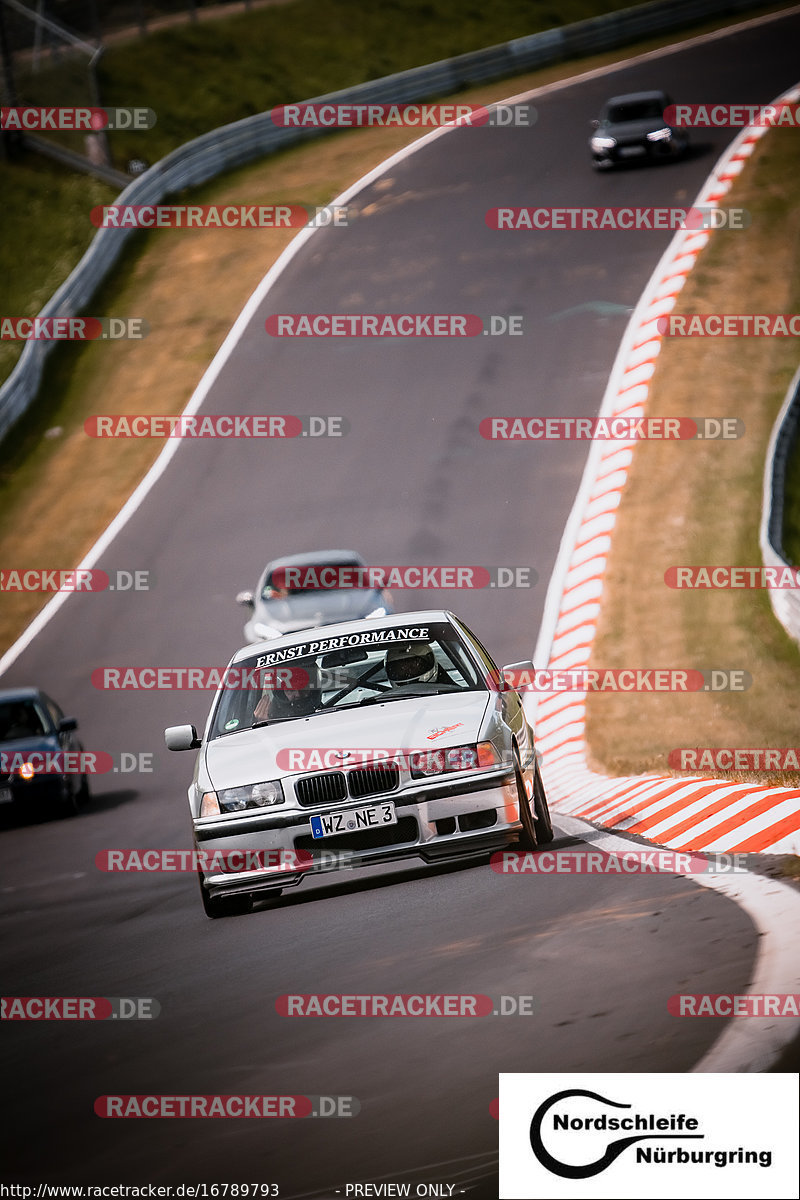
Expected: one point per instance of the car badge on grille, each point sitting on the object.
(342, 755)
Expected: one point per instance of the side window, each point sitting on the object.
(53, 711)
(37, 718)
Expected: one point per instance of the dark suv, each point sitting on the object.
(632, 127)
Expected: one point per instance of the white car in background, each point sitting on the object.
(355, 744)
(302, 591)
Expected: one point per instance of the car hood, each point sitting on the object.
(414, 724)
(630, 131)
(308, 609)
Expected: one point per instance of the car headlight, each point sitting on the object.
(660, 135)
(455, 758)
(377, 612)
(253, 795)
(602, 142)
(266, 631)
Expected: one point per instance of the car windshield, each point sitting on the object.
(19, 719)
(376, 667)
(639, 110)
(313, 577)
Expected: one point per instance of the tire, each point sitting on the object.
(527, 839)
(69, 803)
(544, 826)
(224, 906)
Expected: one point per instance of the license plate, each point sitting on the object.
(6, 795)
(353, 819)
(630, 151)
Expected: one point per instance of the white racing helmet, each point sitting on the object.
(410, 662)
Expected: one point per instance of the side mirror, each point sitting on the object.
(67, 724)
(518, 677)
(182, 737)
(245, 599)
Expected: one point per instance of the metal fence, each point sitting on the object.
(785, 601)
(99, 18)
(253, 137)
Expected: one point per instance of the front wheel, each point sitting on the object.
(544, 826)
(224, 906)
(84, 795)
(527, 839)
(70, 800)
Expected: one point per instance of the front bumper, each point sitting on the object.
(435, 821)
(644, 151)
(38, 793)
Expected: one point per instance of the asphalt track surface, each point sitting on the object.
(411, 482)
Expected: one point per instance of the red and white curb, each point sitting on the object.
(686, 813)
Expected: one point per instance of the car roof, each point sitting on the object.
(8, 695)
(636, 97)
(341, 628)
(316, 558)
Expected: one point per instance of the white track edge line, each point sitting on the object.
(746, 1044)
(154, 473)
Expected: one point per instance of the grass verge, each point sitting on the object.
(49, 464)
(699, 502)
(197, 77)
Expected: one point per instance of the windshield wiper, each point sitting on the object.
(385, 697)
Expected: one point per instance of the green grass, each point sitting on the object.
(197, 77)
(46, 230)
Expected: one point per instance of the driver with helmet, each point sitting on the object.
(413, 662)
(277, 704)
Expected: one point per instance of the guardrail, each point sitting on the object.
(785, 601)
(233, 145)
